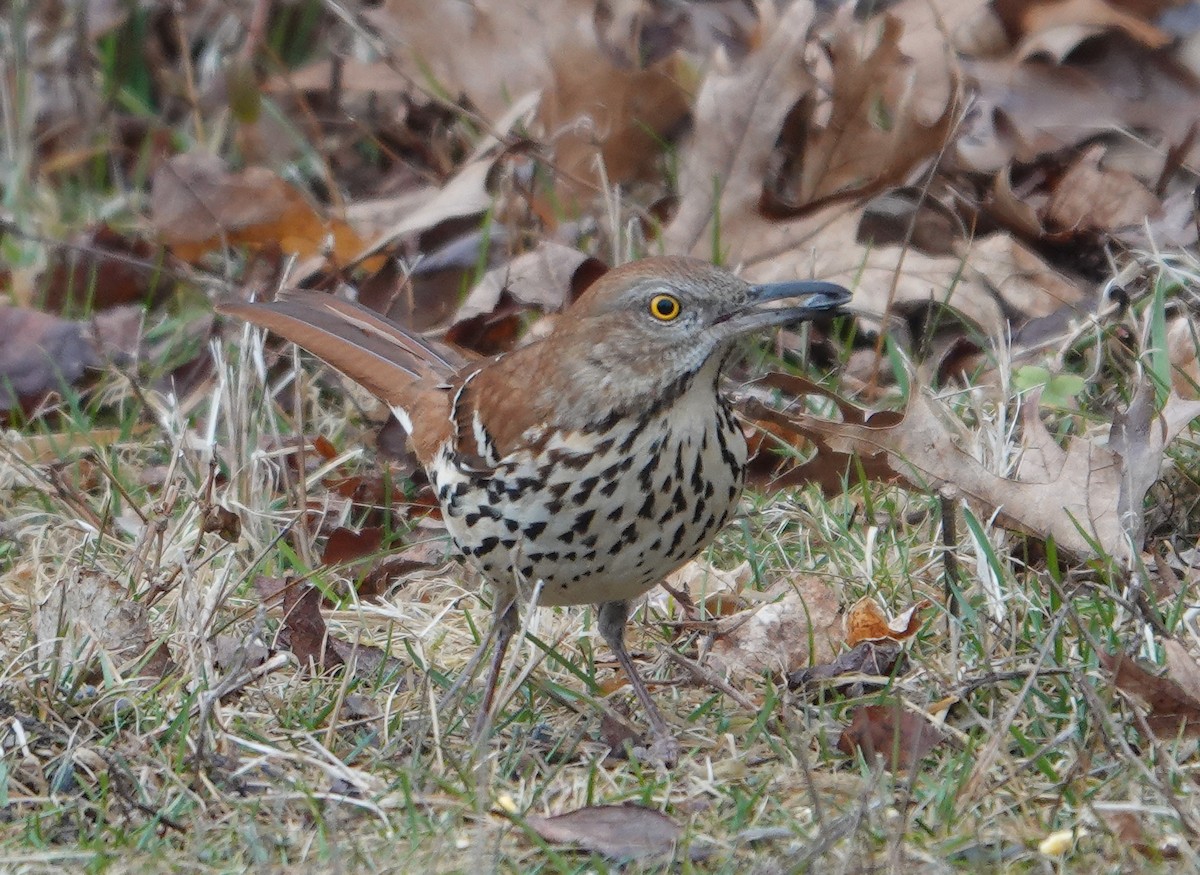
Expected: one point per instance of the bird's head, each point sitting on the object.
(665, 318)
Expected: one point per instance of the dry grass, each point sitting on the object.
(229, 763)
(108, 771)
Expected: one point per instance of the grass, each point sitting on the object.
(109, 772)
(228, 762)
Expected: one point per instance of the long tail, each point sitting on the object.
(371, 350)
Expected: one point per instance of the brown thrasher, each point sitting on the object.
(592, 462)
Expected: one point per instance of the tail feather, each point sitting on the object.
(373, 351)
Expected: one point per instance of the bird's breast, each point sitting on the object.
(602, 513)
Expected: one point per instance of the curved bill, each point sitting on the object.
(817, 296)
(797, 301)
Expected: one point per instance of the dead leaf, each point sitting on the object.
(1085, 493)
(365, 660)
(236, 652)
(305, 627)
(352, 75)
(1183, 351)
(892, 731)
(778, 637)
(732, 156)
(346, 545)
(50, 447)
(41, 352)
(544, 278)
(714, 588)
(828, 468)
(619, 735)
(1090, 197)
(465, 194)
(621, 832)
(868, 659)
(865, 621)
(1026, 109)
(608, 124)
(1130, 832)
(1016, 213)
(1017, 279)
(1135, 440)
(872, 140)
(1182, 668)
(488, 50)
(737, 119)
(1172, 711)
(198, 206)
(270, 589)
(93, 612)
(387, 571)
(102, 268)
(223, 522)
(1059, 25)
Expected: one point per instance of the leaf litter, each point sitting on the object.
(971, 156)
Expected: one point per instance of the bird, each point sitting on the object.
(590, 463)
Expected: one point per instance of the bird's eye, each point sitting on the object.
(664, 307)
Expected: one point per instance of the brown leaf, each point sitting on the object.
(377, 581)
(741, 115)
(1183, 351)
(41, 352)
(865, 621)
(236, 652)
(488, 334)
(1038, 25)
(619, 735)
(1182, 668)
(1013, 212)
(1027, 109)
(352, 76)
(198, 206)
(491, 51)
(622, 832)
(1134, 438)
(829, 467)
(92, 611)
(222, 521)
(1056, 492)
(876, 659)
(346, 545)
(1090, 197)
(270, 589)
(1015, 277)
(1130, 832)
(364, 660)
(716, 589)
(872, 140)
(738, 116)
(1171, 710)
(305, 627)
(599, 115)
(544, 278)
(103, 268)
(464, 194)
(892, 731)
(781, 636)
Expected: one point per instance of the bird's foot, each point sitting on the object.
(663, 750)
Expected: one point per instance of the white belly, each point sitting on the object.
(598, 527)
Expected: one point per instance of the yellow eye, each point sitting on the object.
(664, 307)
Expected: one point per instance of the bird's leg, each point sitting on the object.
(505, 626)
(499, 633)
(664, 746)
